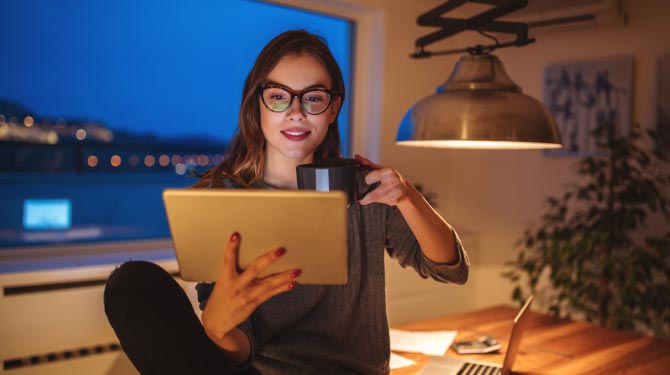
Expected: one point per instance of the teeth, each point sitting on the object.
(295, 133)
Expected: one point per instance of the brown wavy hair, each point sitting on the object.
(244, 158)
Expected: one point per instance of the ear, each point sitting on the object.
(334, 110)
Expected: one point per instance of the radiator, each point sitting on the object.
(53, 321)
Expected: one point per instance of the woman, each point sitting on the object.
(274, 325)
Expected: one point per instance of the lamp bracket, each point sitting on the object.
(482, 22)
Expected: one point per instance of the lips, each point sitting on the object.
(295, 134)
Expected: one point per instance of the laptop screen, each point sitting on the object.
(515, 337)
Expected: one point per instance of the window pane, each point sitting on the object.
(104, 104)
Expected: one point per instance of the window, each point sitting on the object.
(105, 104)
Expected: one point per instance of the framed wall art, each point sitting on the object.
(579, 94)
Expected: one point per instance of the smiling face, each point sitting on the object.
(293, 135)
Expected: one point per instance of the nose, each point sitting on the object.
(295, 111)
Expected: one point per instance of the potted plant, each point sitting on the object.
(591, 253)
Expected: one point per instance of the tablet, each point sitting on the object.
(311, 225)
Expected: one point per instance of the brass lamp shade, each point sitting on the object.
(479, 107)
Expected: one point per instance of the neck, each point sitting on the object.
(281, 173)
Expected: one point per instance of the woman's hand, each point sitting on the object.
(237, 294)
(392, 188)
(434, 234)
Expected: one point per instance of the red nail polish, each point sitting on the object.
(235, 236)
(280, 252)
(295, 274)
(292, 285)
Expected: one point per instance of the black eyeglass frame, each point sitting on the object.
(332, 94)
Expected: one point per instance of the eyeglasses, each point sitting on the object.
(313, 101)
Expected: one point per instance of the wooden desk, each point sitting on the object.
(550, 345)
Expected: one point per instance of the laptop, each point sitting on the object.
(311, 225)
(461, 366)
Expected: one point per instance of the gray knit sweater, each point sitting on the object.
(317, 329)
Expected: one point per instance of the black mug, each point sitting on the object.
(344, 174)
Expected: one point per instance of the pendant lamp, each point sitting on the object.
(479, 106)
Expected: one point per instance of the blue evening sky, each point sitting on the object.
(152, 66)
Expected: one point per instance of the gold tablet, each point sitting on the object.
(311, 225)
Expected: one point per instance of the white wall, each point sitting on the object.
(492, 196)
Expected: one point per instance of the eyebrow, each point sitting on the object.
(310, 87)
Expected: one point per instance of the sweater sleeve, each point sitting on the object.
(204, 291)
(402, 245)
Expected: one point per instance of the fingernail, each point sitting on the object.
(295, 274)
(235, 236)
(292, 285)
(281, 251)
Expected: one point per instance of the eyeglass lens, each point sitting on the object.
(313, 102)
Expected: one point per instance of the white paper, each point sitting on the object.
(433, 343)
(398, 361)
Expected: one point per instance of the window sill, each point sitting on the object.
(25, 259)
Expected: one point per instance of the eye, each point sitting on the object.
(315, 97)
(276, 94)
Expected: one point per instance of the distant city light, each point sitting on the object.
(164, 160)
(27, 128)
(52, 138)
(80, 134)
(28, 121)
(180, 168)
(149, 160)
(203, 160)
(13, 131)
(45, 131)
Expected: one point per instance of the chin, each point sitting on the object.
(297, 154)
(300, 157)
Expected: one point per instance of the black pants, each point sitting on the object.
(156, 325)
